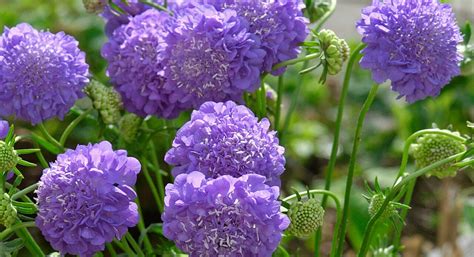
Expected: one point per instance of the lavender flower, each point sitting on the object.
(227, 139)
(211, 57)
(226, 216)
(134, 53)
(86, 198)
(279, 25)
(41, 74)
(411, 43)
(4, 128)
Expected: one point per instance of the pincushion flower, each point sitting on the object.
(41, 74)
(210, 57)
(86, 198)
(135, 57)
(227, 139)
(279, 25)
(411, 43)
(226, 216)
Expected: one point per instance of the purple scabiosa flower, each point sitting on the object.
(227, 139)
(279, 25)
(412, 43)
(134, 53)
(226, 216)
(41, 74)
(211, 57)
(86, 198)
(4, 128)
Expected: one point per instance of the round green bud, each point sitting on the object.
(106, 100)
(94, 6)
(129, 126)
(376, 203)
(336, 50)
(8, 157)
(8, 213)
(431, 148)
(305, 217)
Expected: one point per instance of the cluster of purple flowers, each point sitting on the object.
(225, 197)
(163, 64)
(411, 43)
(86, 198)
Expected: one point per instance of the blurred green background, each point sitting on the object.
(309, 137)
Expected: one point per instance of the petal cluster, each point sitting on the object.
(41, 74)
(226, 216)
(412, 43)
(227, 139)
(86, 198)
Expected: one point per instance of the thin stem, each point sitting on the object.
(278, 102)
(404, 213)
(393, 192)
(25, 191)
(141, 227)
(111, 249)
(152, 186)
(296, 60)
(337, 132)
(30, 243)
(352, 164)
(326, 16)
(159, 176)
(157, 6)
(50, 138)
(40, 156)
(13, 228)
(72, 126)
(134, 244)
(125, 247)
(262, 101)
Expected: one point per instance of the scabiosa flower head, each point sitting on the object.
(226, 216)
(280, 26)
(413, 43)
(86, 198)
(4, 128)
(135, 58)
(227, 139)
(211, 57)
(41, 74)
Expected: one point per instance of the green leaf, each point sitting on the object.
(280, 252)
(9, 247)
(466, 32)
(156, 228)
(45, 144)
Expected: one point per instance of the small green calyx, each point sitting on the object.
(8, 157)
(8, 213)
(336, 50)
(129, 126)
(106, 100)
(305, 217)
(376, 203)
(431, 148)
(94, 6)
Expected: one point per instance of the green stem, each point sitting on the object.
(111, 249)
(72, 126)
(278, 103)
(24, 192)
(296, 60)
(141, 227)
(262, 101)
(352, 164)
(159, 176)
(337, 132)
(30, 243)
(50, 138)
(40, 156)
(13, 228)
(338, 210)
(134, 244)
(393, 192)
(125, 247)
(152, 186)
(326, 16)
(157, 6)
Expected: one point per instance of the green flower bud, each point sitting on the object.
(106, 100)
(8, 213)
(431, 148)
(8, 157)
(94, 6)
(336, 50)
(306, 217)
(128, 126)
(376, 203)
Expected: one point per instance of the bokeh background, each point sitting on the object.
(441, 221)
